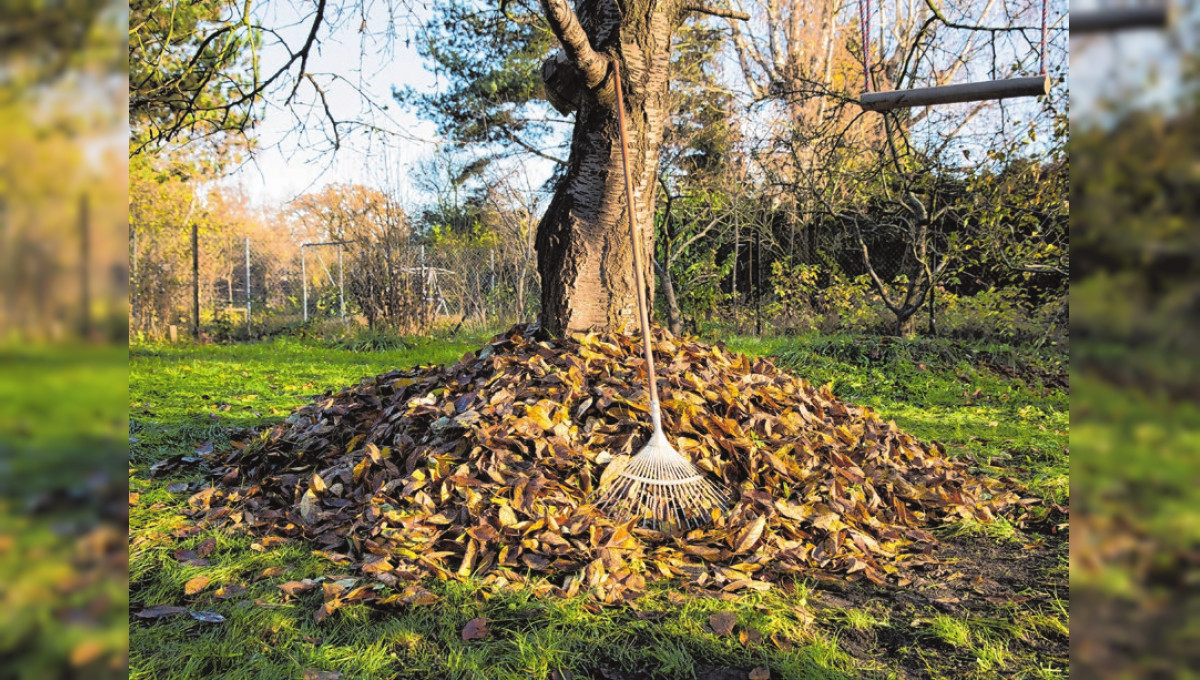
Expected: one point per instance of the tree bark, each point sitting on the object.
(583, 245)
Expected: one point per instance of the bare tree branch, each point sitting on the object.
(719, 12)
(574, 39)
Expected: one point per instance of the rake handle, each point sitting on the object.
(639, 278)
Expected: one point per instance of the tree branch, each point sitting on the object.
(937, 12)
(574, 39)
(879, 285)
(719, 12)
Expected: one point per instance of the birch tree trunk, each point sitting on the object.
(583, 243)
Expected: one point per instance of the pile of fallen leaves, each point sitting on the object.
(488, 467)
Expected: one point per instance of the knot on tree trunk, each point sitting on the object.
(565, 83)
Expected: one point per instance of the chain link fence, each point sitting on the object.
(238, 287)
(226, 288)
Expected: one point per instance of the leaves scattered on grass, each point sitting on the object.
(488, 467)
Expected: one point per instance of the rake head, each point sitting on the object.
(662, 489)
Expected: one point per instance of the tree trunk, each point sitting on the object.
(674, 318)
(583, 242)
(904, 319)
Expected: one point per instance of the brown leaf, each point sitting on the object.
(413, 595)
(160, 611)
(313, 674)
(750, 536)
(195, 585)
(760, 673)
(722, 623)
(750, 636)
(476, 629)
(205, 549)
(230, 591)
(328, 608)
(310, 506)
(297, 587)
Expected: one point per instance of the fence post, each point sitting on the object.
(341, 283)
(195, 280)
(85, 287)
(304, 280)
(757, 272)
(133, 276)
(247, 287)
(7, 266)
(424, 293)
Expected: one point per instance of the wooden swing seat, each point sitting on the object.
(987, 90)
(1121, 19)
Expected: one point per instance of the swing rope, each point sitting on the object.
(1045, 29)
(864, 23)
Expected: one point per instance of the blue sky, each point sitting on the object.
(373, 52)
(371, 63)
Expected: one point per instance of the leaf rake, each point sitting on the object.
(658, 485)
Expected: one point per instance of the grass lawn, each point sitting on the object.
(62, 507)
(182, 397)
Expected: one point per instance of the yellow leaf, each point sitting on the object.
(318, 485)
(540, 414)
(750, 536)
(507, 516)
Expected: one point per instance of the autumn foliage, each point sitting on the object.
(487, 468)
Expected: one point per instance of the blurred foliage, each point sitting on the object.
(41, 42)
(63, 563)
(1135, 542)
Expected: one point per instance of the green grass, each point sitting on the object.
(181, 396)
(62, 456)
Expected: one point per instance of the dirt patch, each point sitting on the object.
(1155, 636)
(972, 580)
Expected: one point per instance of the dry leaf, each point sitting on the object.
(476, 629)
(297, 587)
(750, 536)
(160, 611)
(195, 585)
(310, 506)
(722, 623)
(760, 673)
(229, 591)
(208, 617)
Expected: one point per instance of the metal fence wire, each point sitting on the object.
(237, 287)
(226, 287)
